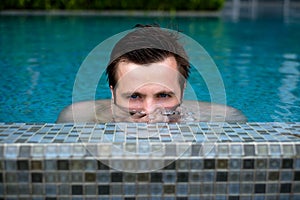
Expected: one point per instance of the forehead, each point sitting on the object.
(126, 67)
(133, 76)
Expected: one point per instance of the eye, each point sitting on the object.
(163, 95)
(134, 96)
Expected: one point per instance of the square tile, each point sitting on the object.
(64, 189)
(77, 190)
(247, 176)
(62, 164)
(287, 163)
(103, 189)
(259, 188)
(37, 178)
(274, 163)
(222, 176)
(297, 176)
(116, 177)
(90, 190)
(182, 189)
(103, 177)
(222, 164)
(246, 188)
(235, 163)
(50, 177)
(196, 176)
(260, 176)
(11, 177)
(234, 188)
(90, 177)
(143, 189)
(221, 189)
(50, 189)
(209, 163)
(11, 165)
(129, 189)
(37, 189)
(182, 177)
(285, 188)
(129, 177)
(261, 163)
(273, 176)
(116, 189)
(286, 176)
(194, 189)
(249, 150)
(36, 165)
(23, 164)
(155, 177)
(77, 177)
(233, 176)
(143, 177)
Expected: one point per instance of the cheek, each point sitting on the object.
(135, 104)
(171, 102)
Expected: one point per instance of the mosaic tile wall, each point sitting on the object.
(221, 161)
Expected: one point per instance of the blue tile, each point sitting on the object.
(129, 189)
(24, 189)
(207, 188)
(235, 164)
(234, 188)
(182, 189)
(50, 189)
(10, 165)
(221, 188)
(23, 177)
(11, 152)
(195, 189)
(169, 177)
(116, 189)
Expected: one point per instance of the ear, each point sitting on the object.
(183, 89)
(112, 92)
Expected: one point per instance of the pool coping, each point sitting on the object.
(144, 141)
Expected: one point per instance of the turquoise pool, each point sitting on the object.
(259, 61)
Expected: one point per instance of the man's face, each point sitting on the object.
(145, 92)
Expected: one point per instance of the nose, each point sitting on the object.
(149, 105)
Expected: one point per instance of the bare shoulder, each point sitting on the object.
(206, 111)
(100, 112)
(86, 111)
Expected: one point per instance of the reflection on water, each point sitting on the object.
(34, 74)
(289, 85)
(255, 8)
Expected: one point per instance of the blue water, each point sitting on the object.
(259, 61)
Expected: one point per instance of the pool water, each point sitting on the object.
(259, 60)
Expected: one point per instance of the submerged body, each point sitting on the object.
(191, 111)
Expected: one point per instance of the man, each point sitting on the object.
(147, 76)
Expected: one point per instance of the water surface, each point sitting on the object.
(259, 60)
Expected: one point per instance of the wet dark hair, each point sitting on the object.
(148, 44)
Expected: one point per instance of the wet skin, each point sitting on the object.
(146, 93)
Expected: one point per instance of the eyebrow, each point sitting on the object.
(165, 92)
